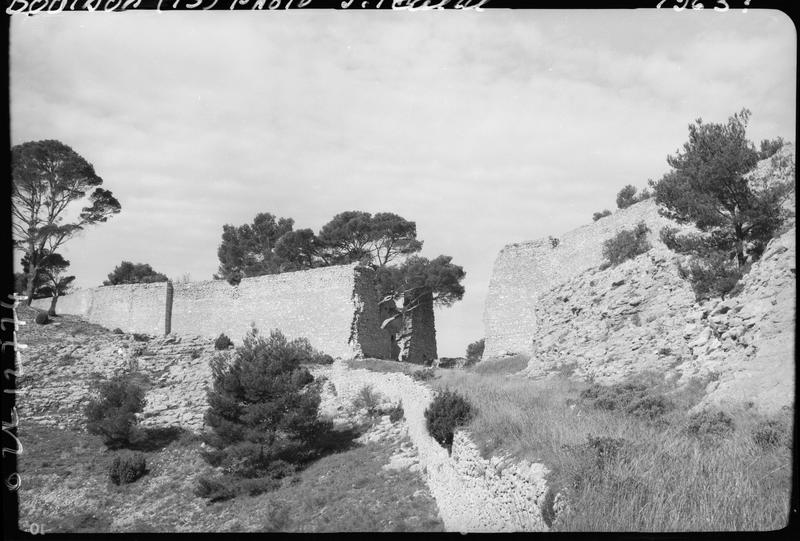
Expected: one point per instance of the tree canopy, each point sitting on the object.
(133, 273)
(418, 276)
(249, 249)
(47, 178)
(707, 186)
(385, 241)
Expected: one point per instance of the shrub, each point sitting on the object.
(263, 407)
(42, 318)
(475, 351)
(141, 337)
(650, 406)
(117, 330)
(397, 412)
(222, 342)
(447, 411)
(710, 423)
(367, 399)
(606, 449)
(112, 414)
(127, 468)
(770, 434)
(214, 489)
(714, 275)
(626, 197)
(195, 354)
(597, 215)
(554, 242)
(633, 398)
(626, 244)
(423, 375)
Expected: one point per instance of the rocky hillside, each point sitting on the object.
(641, 315)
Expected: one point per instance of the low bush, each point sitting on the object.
(195, 354)
(598, 215)
(214, 488)
(141, 337)
(367, 399)
(127, 468)
(112, 414)
(117, 330)
(626, 244)
(634, 398)
(709, 422)
(770, 434)
(42, 318)
(605, 449)
(554, 241)
(448, 411)
(713, 275)
(475, 351)
(423, 375)
(396, 413)
(222, 342)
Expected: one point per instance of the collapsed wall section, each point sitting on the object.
(524, 271)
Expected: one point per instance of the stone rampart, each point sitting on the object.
(334, 307)
(524, 271)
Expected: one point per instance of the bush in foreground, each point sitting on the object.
(448, 411)
(127, 468)
(112, 414)
(42, 318)
(626, 244)
(263, 410)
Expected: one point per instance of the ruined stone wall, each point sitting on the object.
(334, 307)
(417, 340)
(132, 307)
(524, 271)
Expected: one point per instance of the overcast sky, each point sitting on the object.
(484, 128)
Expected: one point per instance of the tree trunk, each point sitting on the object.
(29, 288)
(53, 301)
(739, 245)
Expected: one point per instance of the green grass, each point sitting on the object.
(65, 488)
(663, 479)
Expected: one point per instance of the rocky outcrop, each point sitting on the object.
(61, 371)
(524, 271)
(574, 318)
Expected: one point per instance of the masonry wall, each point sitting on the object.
(132, 307)
(524, 271)
(417, 340)
(334, 307)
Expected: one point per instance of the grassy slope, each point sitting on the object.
(65, 488)
(665, 480)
